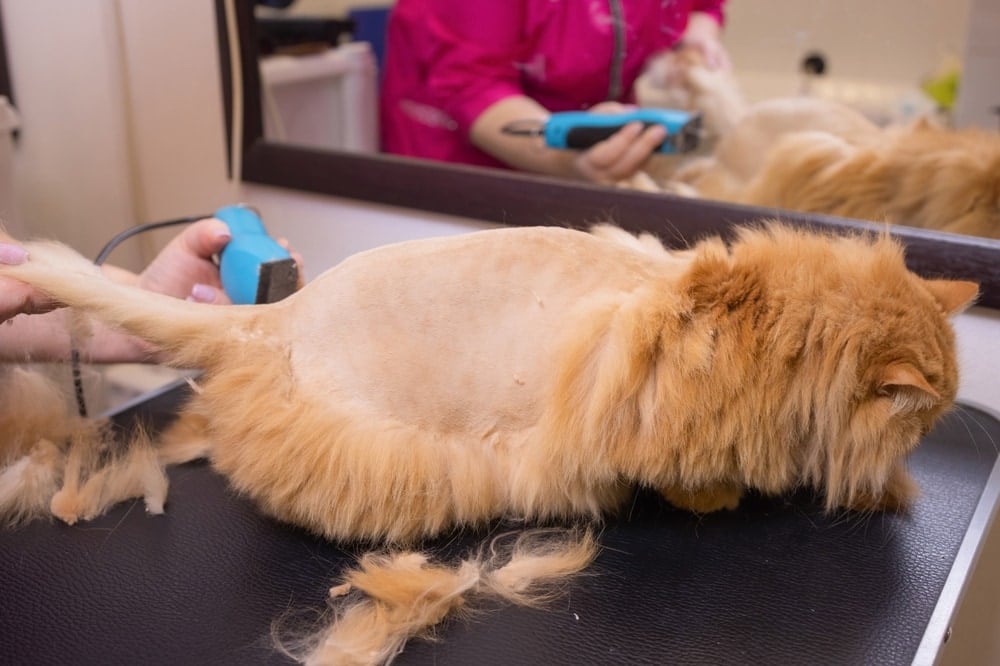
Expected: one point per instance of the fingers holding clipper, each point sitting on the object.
(206, 293)
(622, 154)
(205, 238)
(187, 261)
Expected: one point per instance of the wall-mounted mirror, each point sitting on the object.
(272, 153)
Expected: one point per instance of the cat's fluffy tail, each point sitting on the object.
(405, 594)
(191, 334)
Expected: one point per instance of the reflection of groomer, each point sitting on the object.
(457, 71)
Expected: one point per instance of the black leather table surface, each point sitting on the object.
(775, 582)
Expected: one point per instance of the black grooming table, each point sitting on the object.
(776, 582)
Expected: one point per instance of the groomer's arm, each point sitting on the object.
(616, 158)
(704, 33)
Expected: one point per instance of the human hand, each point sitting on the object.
(702, 34)
(16, 297)
(186, 268)
(621, 155)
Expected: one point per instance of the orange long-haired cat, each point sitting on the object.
(539, 373)
(818, 156)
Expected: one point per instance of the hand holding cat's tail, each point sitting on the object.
(191, 334)
(407, 595)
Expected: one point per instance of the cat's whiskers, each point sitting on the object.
(964, 416)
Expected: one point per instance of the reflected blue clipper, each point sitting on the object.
(581, 129)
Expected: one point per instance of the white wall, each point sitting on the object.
(979, 93)
(122, 119)
(878, 40)
(174, 96)
(175, 104)
(73, 167)
(877, 53)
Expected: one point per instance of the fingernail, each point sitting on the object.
(203, 293)
(219, 229)
(12, 254)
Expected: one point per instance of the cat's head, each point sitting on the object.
(952, 178)
(865, 351)
(890, 369)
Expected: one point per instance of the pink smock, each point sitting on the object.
(446, 61)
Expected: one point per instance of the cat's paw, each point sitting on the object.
(898, 494)
(704, 500)
(66, 506)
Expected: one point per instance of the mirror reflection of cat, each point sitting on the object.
(820, 156)
(809, 35)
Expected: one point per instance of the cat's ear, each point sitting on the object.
(953, 295)
(907, 385)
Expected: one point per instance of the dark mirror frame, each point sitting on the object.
(518, 199)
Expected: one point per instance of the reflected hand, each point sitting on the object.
(622, 154)
(702, 35)
(185, 267)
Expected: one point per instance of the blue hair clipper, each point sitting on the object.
(252, 266)
(578, 130)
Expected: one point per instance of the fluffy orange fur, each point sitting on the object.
(816, 156)
(404, 593)
(540, 373)
(52, 462)
(33, 408)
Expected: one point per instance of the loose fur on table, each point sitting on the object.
(541, 373)
(818, 156)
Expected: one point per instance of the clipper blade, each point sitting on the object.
(277, 280)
